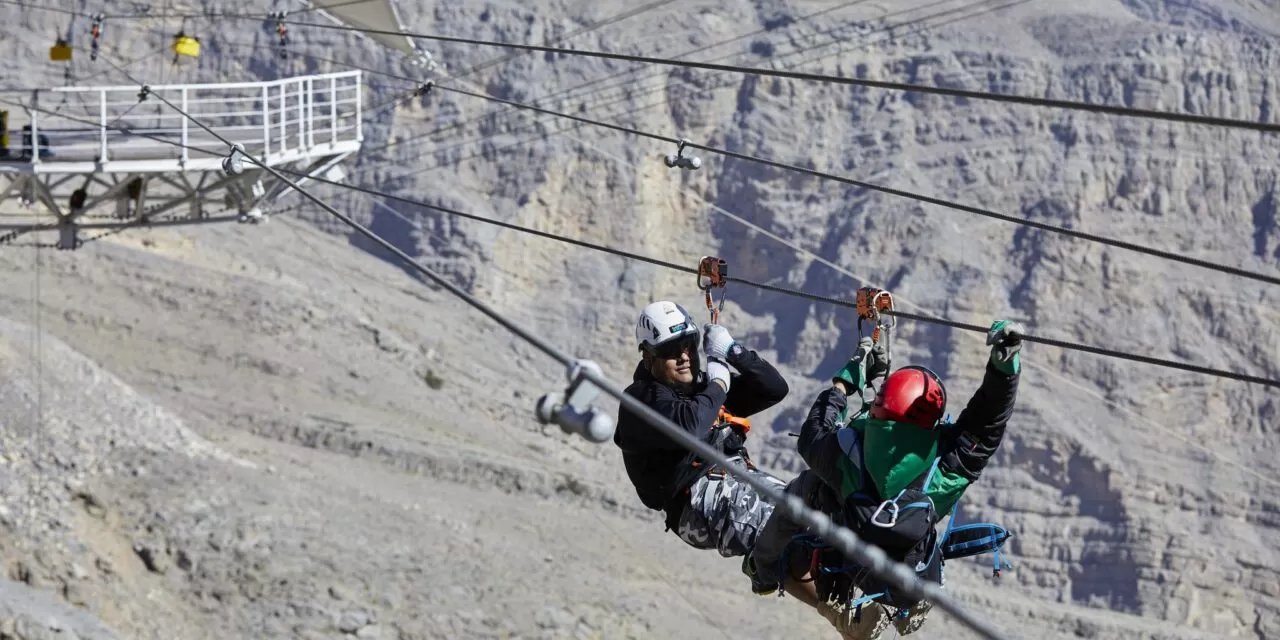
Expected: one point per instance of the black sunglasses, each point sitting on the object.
(668, 350)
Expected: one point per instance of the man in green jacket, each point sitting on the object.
(890, 475)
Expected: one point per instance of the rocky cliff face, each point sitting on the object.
(1143, 498)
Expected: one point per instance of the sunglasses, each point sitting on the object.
(673, 349)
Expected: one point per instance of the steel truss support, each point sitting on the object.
(70, 203)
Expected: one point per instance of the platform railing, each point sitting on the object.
(279, 120)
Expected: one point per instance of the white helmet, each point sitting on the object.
(662, 322)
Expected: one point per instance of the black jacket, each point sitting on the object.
(654, 461)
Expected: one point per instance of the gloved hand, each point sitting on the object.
(716, 341)
(868, 363)
(1005, 338)
(718, 369)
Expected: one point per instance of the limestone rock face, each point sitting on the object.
(272, 431)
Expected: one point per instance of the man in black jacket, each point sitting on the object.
(707, 507)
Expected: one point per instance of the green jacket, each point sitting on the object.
(891, 455)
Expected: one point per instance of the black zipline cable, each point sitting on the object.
(656, 4)
(1221, 373)
(558, 94)
(1053, 342)
(870, 556)
(1167, 255)
(494, 113)
(625, 95)
(815, 77)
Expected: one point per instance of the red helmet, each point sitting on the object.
(913, 395)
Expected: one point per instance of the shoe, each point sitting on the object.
(757, 587)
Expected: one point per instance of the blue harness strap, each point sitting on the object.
(973, 539)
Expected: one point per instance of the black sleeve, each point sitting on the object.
(757, 386)
(695, 414)
(818, 443)
(980, 428)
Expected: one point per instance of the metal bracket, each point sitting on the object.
(678, 159)
(577, 414)
(69, 235)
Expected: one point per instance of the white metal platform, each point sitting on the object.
(105, 145)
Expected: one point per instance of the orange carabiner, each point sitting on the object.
(712, 274)
(871, 303)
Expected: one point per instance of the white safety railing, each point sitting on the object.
(279, 121)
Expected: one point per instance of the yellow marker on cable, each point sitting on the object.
(185, 45)
(60, 51)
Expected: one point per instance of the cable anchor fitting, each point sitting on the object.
(577, 414)
(424, 88)
(678, 159)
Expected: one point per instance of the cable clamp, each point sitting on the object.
(678, 158)
(577, 414)
(424, 89)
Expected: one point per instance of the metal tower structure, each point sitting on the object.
(114, 157)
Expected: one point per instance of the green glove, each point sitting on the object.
(868, 363)
(1005, 338)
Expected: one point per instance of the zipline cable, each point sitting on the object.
(1043, 226)
(624, 95)
(840, 302)
(1063, 344)
(145, 224)
(656, 4)
(900, 299)
(814, 77)
(869, 556)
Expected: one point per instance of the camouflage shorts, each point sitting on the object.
(725, 513)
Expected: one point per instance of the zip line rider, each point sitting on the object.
(890, 475)
(705, 506)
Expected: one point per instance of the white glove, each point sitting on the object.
(718, 369)
(716, 341)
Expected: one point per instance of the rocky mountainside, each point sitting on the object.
(271, 431)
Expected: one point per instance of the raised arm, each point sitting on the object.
(980, 428)
(757, 386)
(822, 444)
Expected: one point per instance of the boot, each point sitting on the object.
(868, 626)
(757, 587)
(915, 618)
